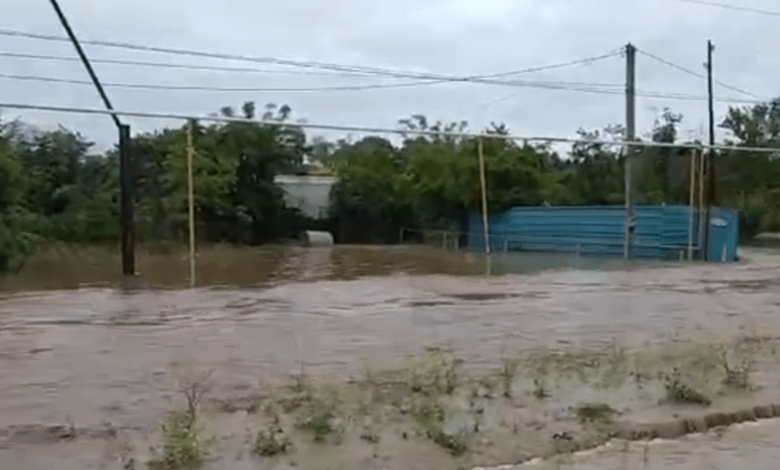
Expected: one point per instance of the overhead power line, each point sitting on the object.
(555, 85)
(212, 68)
(695, 74)
(582, 87)
(434, 78)
(377, 130)
(426, 78)
(729, 6)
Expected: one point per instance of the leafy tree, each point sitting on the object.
(748, 180)
(594, 173)
(372, 193)
(15, 241)
(54, 186)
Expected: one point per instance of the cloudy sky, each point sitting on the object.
(443, 37)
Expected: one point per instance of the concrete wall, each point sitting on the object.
(307, 193)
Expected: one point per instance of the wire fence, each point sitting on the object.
(664, 173)
(632, 144)
(452, 240)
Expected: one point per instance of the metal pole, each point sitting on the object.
(691, 202)
(126, 203)
(630, 136)
(190, 201)
(701, 205)
(127, 218)
(84, 60)
(710, 166)
(485, 228)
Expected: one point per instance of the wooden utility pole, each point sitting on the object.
(483, 184)
(629, 150)
(191, 200)
(710, 162)
(692, 203)
(126, 202)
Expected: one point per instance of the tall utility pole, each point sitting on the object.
(125, 167)
(629, 150)
(191, 200)
(710, 165)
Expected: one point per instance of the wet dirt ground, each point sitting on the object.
(81, 349)
(750, 446)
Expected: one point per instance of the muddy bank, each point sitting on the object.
(751, 445)
(434, 410)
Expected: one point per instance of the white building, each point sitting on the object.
(309, 194)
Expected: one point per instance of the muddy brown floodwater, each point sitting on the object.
(86, 356)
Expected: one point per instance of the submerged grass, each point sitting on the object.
(595, 413)
(319, 410)
(272, 441)
(185, 445)
(449, 406)
(434, 373)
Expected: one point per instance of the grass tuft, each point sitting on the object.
(184, 445)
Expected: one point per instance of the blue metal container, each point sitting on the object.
(662, 232)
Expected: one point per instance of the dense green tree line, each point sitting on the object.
(53, 186)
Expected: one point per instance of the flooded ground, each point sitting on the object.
(86, 356)
(752, 446)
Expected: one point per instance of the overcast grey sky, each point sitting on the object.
(457, 37)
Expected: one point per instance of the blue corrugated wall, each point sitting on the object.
(662, 232)
(724, 235)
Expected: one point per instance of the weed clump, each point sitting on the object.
(320, 414)
(540, 389)
(300, 393)
(370, 436)
(320, 424)
(737, 376)
(429, 414)
(184, 444)
(738, 379)
(435, 374)
(509, 369)
(595, 413)
(272, 442)
(678, 392)
(455, 445)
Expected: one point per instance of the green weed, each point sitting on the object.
(455, 445)
(678, 392)
(184, 445)
(595, 413)
(434, 374)
(509, 367)
(272, 442)
(322, 413)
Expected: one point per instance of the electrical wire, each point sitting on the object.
(695, 74)
(426, 79)
(336, 127)
(602, 89)
(732, 7)
(434, 78)
(213, 68)
(573, 86)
